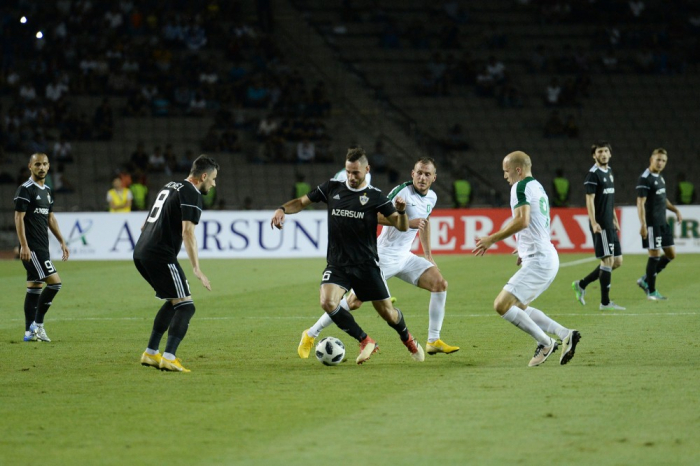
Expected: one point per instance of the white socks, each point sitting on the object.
(169, 356)
(546, 323)
(436, 311)
(520, 319)
(325, 320)
(151, 351)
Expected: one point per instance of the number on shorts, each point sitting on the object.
(326, 276)
(158, 206)
(544, 208)
(49, 267)
(657, 240)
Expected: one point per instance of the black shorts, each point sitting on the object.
(166, 278)
(39, 266)
(658, 237)
(367, 282)
(606, 243)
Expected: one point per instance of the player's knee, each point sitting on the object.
(329, 305)
(617, 262)
(500, 306)
(354, 303)
(670, 255)
(441, 285)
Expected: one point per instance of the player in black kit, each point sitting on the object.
(352, 250)
(170, 222)
(600, 202)
(656, 234)
(33, 218)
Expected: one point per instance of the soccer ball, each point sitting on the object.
(330, 351)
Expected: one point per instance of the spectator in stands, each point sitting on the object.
(496, 69)
(185, 163)
(609, 61)
(553, 93)
(306, 151)
(301, 187)
(61, 184)
(139, 158)
(27, 92)
(685, 194)
(229, 141)
(170, 159)
(157, 162)
(62, 150)
(267, 127)
(119, 198)
(485, 85)
(210, 142)
(461, 193)
(197, 105)
(55, 90)
(195, 36)
(560, 189)
(139, 191)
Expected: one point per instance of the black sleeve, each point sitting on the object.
(385, 206)
(21, 199)
(190, 203)
(50, 199)
(643, 187)
(591, 183)
(320, 194)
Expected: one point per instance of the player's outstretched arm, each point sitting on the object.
(53, 226)
(290, 207)
(190, 242)
(520, 221)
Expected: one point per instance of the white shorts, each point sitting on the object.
(408, 268)
(534, 276)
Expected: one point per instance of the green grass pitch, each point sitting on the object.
(630, 395)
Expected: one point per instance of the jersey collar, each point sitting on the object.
(37, 184)
(358, 189)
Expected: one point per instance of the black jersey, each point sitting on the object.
(161, 238)
(601, 183)
(352, 221)
(653, 187)
(37, 203)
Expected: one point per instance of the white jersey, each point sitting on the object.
(342, 175)
(395, 244)
(535, 238)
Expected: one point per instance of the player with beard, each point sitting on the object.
(604, 225)
(170, 222)
(352, 250)
(33, 218)
(397, 260)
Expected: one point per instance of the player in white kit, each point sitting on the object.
(397, 260)
(540, 262)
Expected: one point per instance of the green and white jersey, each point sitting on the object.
(342, 175)
(535, 238)
(393, 243)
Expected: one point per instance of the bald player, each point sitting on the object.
(530, 223)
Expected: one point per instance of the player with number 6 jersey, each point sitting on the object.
(170, 222)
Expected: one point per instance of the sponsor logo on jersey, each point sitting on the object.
(661, 191)
(347, 213)
(364, 199)
(609, 191)
(41, 210)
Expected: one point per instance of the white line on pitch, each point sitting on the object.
(577, 262)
